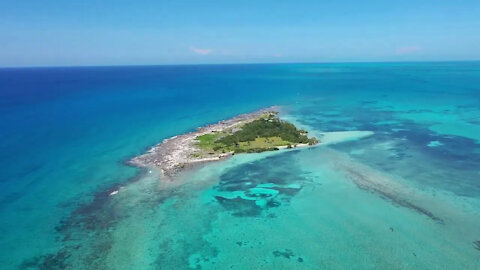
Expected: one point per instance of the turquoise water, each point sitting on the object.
(404, 194)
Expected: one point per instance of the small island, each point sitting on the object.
(247, 133)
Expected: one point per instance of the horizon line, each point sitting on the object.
(234, 63)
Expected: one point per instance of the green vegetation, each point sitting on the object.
(264, 134)
(207, 141)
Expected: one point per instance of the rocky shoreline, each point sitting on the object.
(179, 152)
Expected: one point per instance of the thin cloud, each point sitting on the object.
(408, 50)
(200, 51)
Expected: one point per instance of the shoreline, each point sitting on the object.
(176, 153)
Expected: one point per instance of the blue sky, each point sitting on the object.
(50, 33)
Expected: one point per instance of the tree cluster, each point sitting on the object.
(267, 127)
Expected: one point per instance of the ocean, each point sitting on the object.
(397, 186)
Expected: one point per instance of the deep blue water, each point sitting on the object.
(65, 133)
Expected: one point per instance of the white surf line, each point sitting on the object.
(327, 138)
(334, 137)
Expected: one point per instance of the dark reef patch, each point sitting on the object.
(363, 183)
(273, 203)
(240, 207)
(476, 245)
(46, 262)
(271, 175)
(286, 253)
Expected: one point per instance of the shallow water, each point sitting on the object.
(401, 191)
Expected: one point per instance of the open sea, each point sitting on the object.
(395, 185)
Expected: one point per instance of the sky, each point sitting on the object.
(155, 32)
